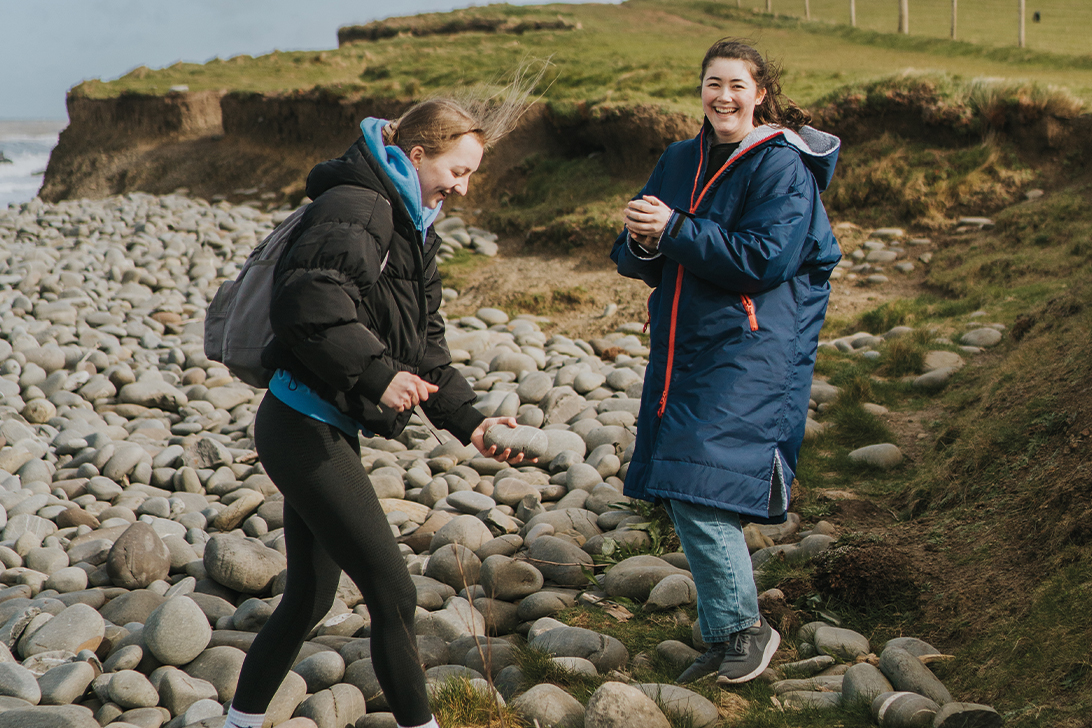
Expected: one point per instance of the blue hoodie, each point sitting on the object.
(740, 290)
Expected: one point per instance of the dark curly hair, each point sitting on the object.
(776, 108)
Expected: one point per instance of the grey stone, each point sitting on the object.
(603, 651)
(530, 441)
(943, 359)
(68, 579)
(543, 604)
(907, 673)
(984, 338)
(684, 706)
(509, 579)
(673, 591)
(241, 564)
(617, 705)
(18, 682)
(466, 530)
(635, 577)
(470, 502)
(559, 560)
(58, 716)
(823, 393)
(550, 707)
(862, 683)
(361, 674)
(454, 565)
(561, 440)
(337, 707)
(844, 644)
(154, 394)
(917, 648)
(904, 710)
(934, 379)
(136, 606)
(510, 491)
(130, 689)
(219, 666)
(177, 631)
(321, 670)
(64, 684)
(883, 456)
(76, 628)
(807, 667)
(124, 658)
(289, 695)
(179, 691)
(199, 711)
(576, 523)
(251, 615)
(138, 558)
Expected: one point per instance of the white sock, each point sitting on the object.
(431, 724)
(239, 719)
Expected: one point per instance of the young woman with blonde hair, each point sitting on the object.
(359, 342)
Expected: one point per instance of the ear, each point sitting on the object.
(416, 155)
(761, 97)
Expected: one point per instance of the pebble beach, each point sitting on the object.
(142, 546)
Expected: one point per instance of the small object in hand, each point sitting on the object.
(530, 441)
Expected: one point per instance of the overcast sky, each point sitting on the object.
(49, 46)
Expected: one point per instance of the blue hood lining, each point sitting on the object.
(401, 171)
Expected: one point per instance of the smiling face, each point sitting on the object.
(729, 95)
(443, 174)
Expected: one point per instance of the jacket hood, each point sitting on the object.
(358, 167)
(818, 149)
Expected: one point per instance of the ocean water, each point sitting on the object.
(28, 145)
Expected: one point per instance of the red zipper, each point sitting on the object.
(748, 304)
(749, 307)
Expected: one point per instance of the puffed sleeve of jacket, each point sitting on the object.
(634, 261)
(451, 407)
(320, 280)
(767, 245)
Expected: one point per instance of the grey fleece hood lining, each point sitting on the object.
(808, 140)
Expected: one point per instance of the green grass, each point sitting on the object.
(458, 703)
(644, 51)
(979, 22)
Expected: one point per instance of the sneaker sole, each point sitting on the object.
(767, 655)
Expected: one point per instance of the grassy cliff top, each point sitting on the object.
(642, 51)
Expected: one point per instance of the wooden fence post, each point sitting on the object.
(904, 16)
(807, 9)
(1023, 13)
(954, 19)
(853, 13)
(769, 6)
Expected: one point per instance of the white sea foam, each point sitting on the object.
(21, 178)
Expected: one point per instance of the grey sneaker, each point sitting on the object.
(748, 653)
(706, 664)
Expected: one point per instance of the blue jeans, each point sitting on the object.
(713, 541)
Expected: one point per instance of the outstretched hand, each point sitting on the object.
(477, 439)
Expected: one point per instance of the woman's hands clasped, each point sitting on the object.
(646, 219)
(477, 439)
(406, 391)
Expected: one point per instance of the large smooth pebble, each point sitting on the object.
(177, 631)
(530, 441)
(617, 705)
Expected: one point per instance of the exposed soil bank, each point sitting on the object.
(246, 145)
(249, 146)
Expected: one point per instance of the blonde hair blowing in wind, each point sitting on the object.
(437, 124)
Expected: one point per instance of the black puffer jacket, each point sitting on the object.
(344, 328)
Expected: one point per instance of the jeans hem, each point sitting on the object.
(722, 636)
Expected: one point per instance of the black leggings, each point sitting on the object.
(332, 521)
